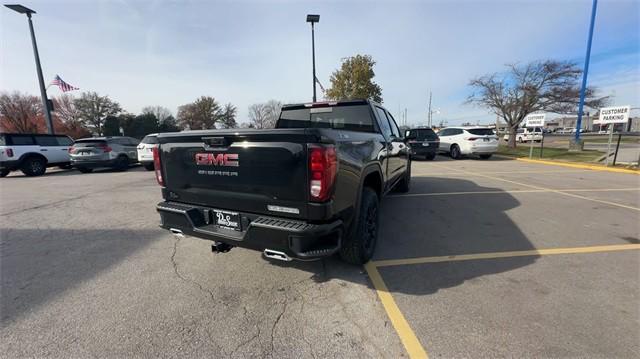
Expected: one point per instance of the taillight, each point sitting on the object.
(9, 152)
(472, 138)
(323, 166)
(156, 165)
(106, 148)
(72, 150)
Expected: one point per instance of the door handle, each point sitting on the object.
(43, 150)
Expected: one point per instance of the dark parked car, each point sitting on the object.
(116, 152)
(424, 142)
(305, 190)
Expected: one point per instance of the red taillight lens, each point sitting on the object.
(472, 138)
(72, 150)
(106, 148)
(323, 166)
(156, 165)
(9, 152)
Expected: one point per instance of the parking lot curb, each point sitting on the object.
(575, 165)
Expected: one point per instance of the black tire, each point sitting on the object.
(485, 157)
(34, 166)
(430, 157)
(359, 245)
(148, 166)
(84, 169)
(454, 152)
(121, 164)
(404, 184)
(4, 173)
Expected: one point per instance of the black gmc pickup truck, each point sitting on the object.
(305, 190)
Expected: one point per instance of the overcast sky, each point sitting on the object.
(169, 53)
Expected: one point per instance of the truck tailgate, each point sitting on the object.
(241, 170)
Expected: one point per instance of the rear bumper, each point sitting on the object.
(423, 150)
(9, 165)
(93, 164)
(299, 240)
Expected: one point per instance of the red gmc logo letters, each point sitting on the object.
(217, 159)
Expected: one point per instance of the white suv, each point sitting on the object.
(526, 134)
(145, 150)
(33, 153)
(459, 141)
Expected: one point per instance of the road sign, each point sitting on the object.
(534, 120)
(618, 114)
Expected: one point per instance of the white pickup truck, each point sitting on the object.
(33, 153)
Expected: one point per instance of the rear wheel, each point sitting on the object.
(4, 173)
(85, 170)
(148, 166)
(454, 152)
(485, 157)
(359, 246)
(34, 166)
(122, 163)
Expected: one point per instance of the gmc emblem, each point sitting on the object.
(217, 159)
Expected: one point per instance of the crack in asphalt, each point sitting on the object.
(181, 277)
(247, 342)
(273, 328)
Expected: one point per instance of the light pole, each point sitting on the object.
(43, 92)
(313, 19)
(584, 74)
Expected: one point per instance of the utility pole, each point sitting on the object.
(429, 117)
(584, 74)
(43, 91)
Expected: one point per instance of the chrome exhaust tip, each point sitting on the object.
(270, 253)
(176, 232)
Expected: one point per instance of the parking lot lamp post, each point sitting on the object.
(313, 19)
(585, 72)
(43, 92)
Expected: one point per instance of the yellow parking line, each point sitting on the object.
(547, 189)
(514, 191)
(577, 165)
(493, 255)
(406, 334)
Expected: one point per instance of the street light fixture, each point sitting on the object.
(313, 19)
(43, 92)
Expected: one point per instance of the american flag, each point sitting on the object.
(64, 87)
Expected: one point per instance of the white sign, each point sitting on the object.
(619, 114)
(534, 120)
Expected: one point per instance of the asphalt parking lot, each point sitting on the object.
(498, 258)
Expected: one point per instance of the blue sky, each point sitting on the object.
(169, 53)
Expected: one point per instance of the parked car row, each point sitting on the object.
(34, 153)
(454, 141)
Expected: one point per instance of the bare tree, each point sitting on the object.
(551, 86)
(20, 112)
(94, 109)
(265, 115)
(161, 113)
(66, 111)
